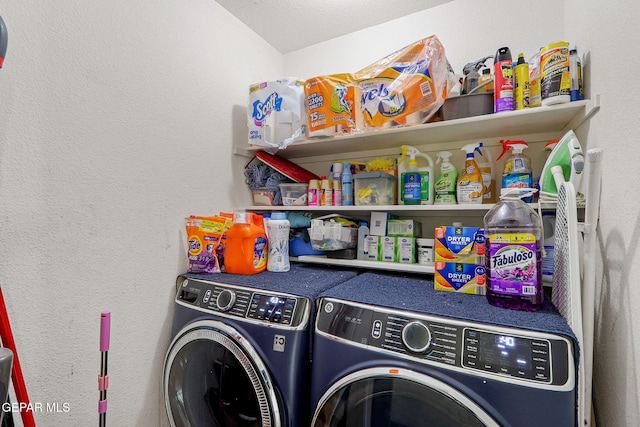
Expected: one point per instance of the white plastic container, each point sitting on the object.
(294, 194)
(278, 235)
(425, 251)
(363, 249)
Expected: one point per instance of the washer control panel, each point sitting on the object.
(242, 302)
(532, 357)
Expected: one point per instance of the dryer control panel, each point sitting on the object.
(253, 305)
(497, 352)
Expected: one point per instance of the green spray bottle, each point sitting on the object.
(445, 187)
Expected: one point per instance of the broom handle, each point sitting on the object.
(16, 374)
(103, 379)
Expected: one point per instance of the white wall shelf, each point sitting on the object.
(373, 265)
(552, 119)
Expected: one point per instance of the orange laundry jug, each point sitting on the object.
(247, 247)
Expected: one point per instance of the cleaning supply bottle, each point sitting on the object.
(246, 247)
(575, 71)
(337, 193)
(445, 187)
(278, 235)
(549, 226)
(488, 170)
(313, 193)
(411, 181)
(513, 238)
(427, 179)
(485, 82)
(346, 179)
(517, 168)
(471, 75)
(522, 87)
(363, 249)
(470, 183)
(503, 84)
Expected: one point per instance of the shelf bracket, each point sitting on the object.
(592, 107)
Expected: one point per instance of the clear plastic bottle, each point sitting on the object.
(514, 254)
(363, 249)
(278, 235)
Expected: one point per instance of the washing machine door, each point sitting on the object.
(379, 397)
(214, 377)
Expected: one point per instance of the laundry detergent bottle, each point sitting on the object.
(513, 236)
(247, 247)
(517, 169)
(445, 187)
(470, 183)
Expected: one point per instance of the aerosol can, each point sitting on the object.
(407, 185)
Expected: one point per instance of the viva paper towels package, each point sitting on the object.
(277, 113)
(333, 105)
(406, 87)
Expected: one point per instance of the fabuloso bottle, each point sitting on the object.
(470, 183)
(445, 187)
(514, 253)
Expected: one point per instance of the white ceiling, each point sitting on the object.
(290, 25)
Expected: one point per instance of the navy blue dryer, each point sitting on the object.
(240, 356)
(391, 351)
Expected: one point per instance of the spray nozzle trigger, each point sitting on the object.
(476, 65)
(516, 145)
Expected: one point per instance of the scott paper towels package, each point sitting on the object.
(277, 113)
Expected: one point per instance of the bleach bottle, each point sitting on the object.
(470, 183)
(513, 237)
(445, 187)
(416, 192)
(247, 247)
(517, 169)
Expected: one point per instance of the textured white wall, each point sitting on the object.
(116, 121)
(606, 34)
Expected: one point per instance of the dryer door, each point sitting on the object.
(379, 397)
(214, 377)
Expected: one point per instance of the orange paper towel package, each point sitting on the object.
(406, 87)
(333, 105)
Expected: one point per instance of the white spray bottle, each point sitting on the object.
(470, 184)
(488, 170)
(426, 174)
(445, 187)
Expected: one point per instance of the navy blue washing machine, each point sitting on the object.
(392, 351)
(241, 348)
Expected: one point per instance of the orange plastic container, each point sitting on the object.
(247, 247)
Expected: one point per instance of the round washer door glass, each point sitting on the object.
(391, 397)
(209, 380)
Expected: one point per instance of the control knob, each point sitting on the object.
(416, 336)
(226, 299)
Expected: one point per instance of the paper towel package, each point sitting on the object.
(277, 113)
(333, 105)
(406, 87)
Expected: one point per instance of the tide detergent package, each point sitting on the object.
(276, 113)
(333, 105)
(406, 87)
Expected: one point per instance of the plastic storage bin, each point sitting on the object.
(331, 236)
(263, 196)
(294, 194)
(374, 189)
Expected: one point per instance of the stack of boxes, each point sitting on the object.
(460, 260)
(391, 239)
